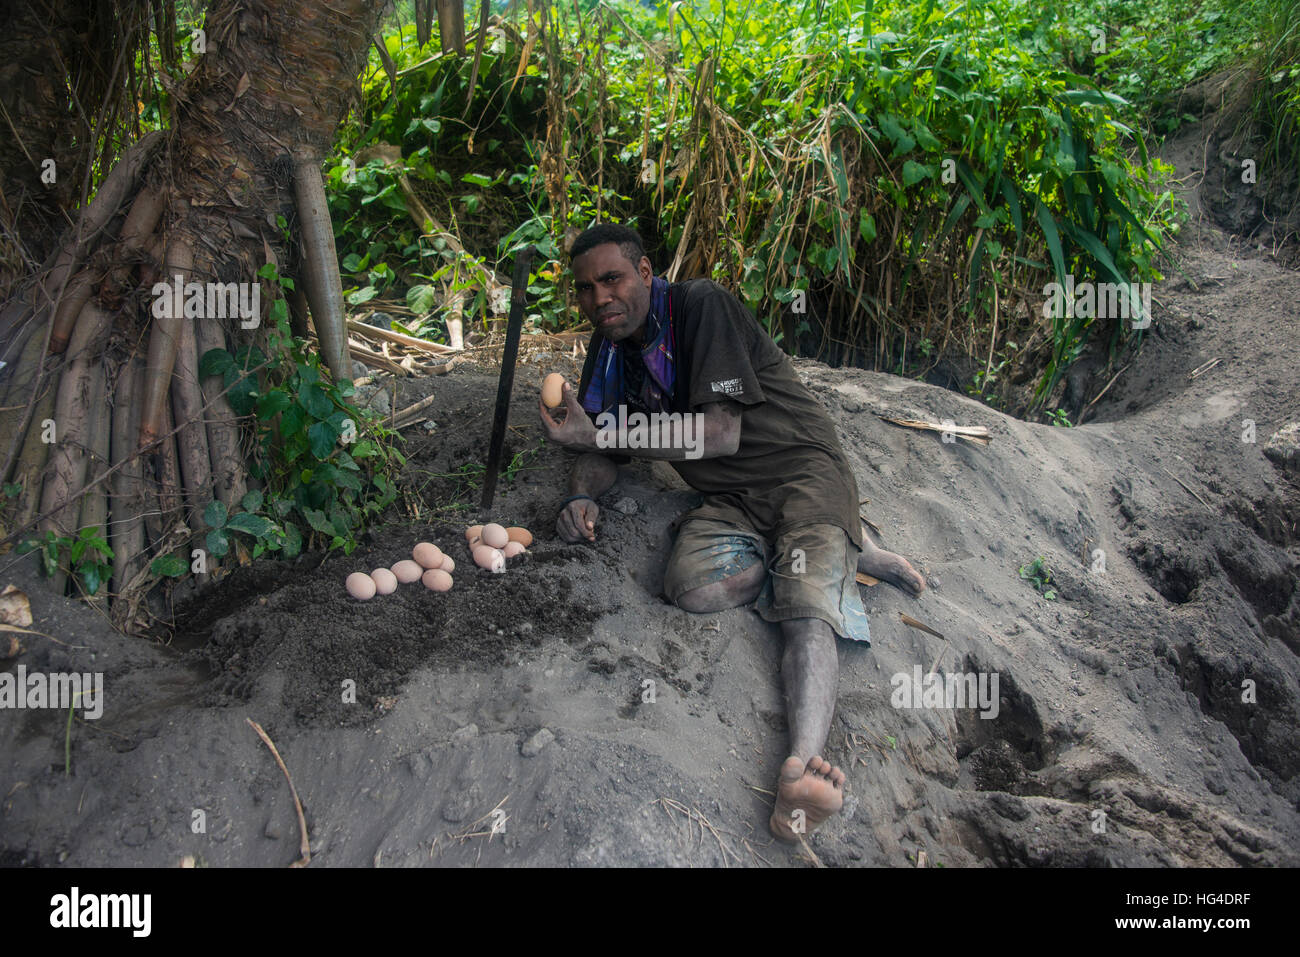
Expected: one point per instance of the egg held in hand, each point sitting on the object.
(553, 390)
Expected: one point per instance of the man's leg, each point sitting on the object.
(714, 565)
(889, 567)
(739, 589)
(809, 788)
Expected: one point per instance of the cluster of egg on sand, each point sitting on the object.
(490, 545)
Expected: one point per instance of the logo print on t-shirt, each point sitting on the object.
(728, 387)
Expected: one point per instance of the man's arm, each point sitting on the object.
(711, 433)
(592, 476)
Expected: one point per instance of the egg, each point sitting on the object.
(361, 586)
(495, 536)
(427, 554)
(385, 581)
(408, 571)
(489, 558)
(517, 533)
(435, 579)
(448, 565)
(553, 390)
(473, 534)
(512, 549)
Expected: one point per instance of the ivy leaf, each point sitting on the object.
(218, 543)
(315, 401)
(317, 520)
(215, 362)
(291, 422)
(167, 566)
(322, 437)
(252, 502)
(277, 400)
(215, 514)
(254, 525)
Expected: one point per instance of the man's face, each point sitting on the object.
(613, 292)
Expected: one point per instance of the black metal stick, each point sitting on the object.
(518, 294)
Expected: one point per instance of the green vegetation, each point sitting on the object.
(87, 555)
(1040, 576)
(915, 172)
(326, 466)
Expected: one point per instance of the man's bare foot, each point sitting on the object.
(889, 567)
(817, 790)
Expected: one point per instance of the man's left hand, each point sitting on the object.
(576, 431)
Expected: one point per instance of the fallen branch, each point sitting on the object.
(971, 433)
(374, 332)
(411, 412)
(304, 844)
(919, 625)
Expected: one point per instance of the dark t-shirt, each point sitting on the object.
(790, 469)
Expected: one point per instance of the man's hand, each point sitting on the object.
(575, 431)
(577, 521)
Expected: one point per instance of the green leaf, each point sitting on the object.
(365, 294)
(421, 299)
(254, 525)
(322, 437)
(292, 541)
(1048, 223)
(277, 400)
(317, 520)
(218, 543)
(315, 401)
(914, 172)
(168, 566)
(215, 514)
(90, 577)
(477, 179)
(866, 226)
(215, 362)
(252, 502)
(292, 421)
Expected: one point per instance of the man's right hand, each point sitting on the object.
(577, 521)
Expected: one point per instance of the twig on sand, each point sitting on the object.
(33, 631)
(1202, 369)
(816, 861)
(470, 831)
(751, 850)
(1097, 398)
(919, 625)
(304, 844)
(1187, 487)
(696, 815)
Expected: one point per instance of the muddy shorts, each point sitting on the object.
(811, 570)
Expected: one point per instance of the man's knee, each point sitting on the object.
(739, 589)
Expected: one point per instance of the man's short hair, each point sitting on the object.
(628, 241)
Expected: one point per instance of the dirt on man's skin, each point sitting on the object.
(561, 713)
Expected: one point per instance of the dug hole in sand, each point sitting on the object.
(562, 714)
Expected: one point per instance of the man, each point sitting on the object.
(779, 522)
